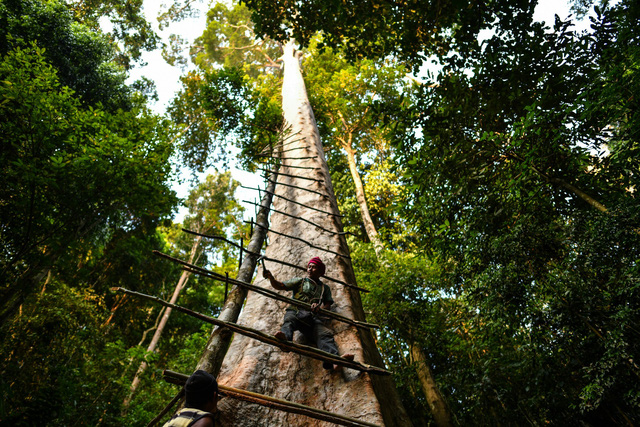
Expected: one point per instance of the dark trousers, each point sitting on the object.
(312, 328)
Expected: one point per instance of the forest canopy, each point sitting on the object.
(492, 202)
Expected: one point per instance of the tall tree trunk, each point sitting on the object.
(265, 369)
(369, 226)
(437, 403)
(182, 282)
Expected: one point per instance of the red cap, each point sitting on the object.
(317, 261)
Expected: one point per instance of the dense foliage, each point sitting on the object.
(409, 30)
(231, 103)
(521, 177)
(350, 101)
(503, 186)
(68, 155)
(85, 197)
(523, 180)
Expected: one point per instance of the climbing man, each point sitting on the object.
(310, 290)
(201, 402)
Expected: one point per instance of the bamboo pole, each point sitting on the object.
(299, 167)
(297, 203)
(275, 232)
(340, 233)
(333, 279)
(277, 296)
(218, 343)
(266, 292)
(284, 134)
(291, 149)
(302, 349)
(288, 158)
(311, 245)
(182, 283)
(210, 236)
(272, 402)
(299, 188)
(323, 277)
(293, 176)
(290, 135)
(178, 397)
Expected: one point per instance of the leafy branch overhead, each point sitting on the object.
(230, 41)
(233, 99)
(218, 109)
(129, 26)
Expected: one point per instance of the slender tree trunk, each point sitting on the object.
(182, 282)
(218, 344)
(369, 226)
(437, 403)
(265, 369)
(581, 194)
(21, 288)
(117, 304)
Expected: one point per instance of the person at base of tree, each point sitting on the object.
(201, 402)
(310, 290)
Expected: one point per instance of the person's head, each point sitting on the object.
(201, 391)
(315, 268)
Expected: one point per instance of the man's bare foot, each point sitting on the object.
(281, 336)
(348, 356)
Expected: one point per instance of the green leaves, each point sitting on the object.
(213, 210)
(81, 56)
(217, 109)
(355, 105)
(68, 321)
(409, 31)
(509, 159)
(229, 41)
(129, 26)
(65, 168)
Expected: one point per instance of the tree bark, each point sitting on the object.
(369, 226)
(261, 399)
(265, 369)
(437, 403)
